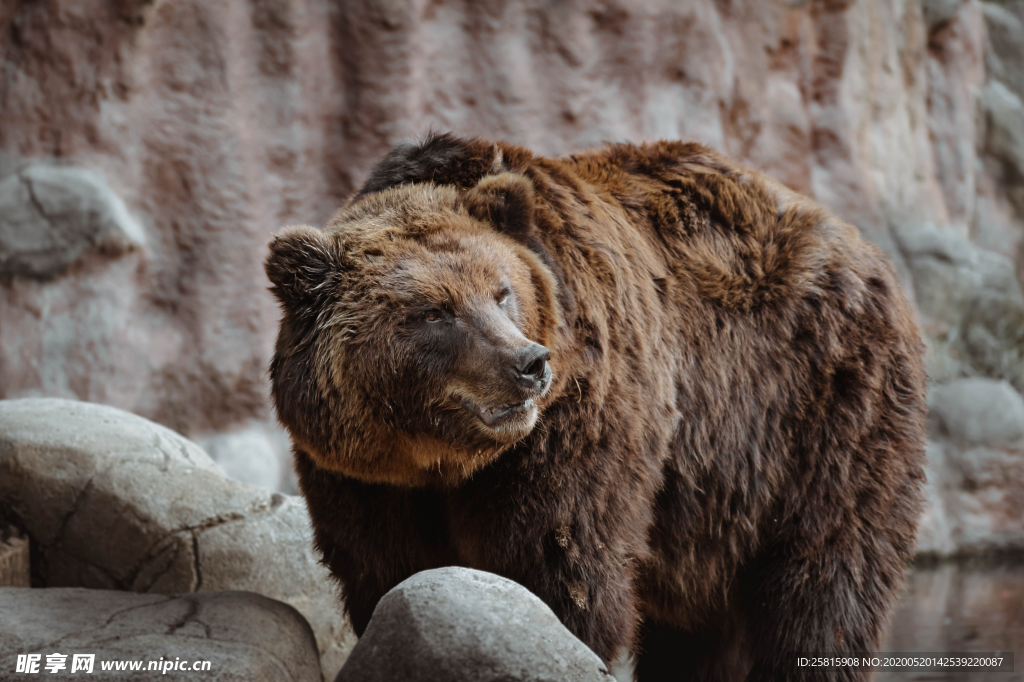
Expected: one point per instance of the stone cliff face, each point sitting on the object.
(191, 131)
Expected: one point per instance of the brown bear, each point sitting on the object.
(678, 402)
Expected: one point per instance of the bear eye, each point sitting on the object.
(432, 315)
(502, 298)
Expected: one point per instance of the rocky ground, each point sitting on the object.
(112, 501)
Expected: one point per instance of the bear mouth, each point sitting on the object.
(494, 416)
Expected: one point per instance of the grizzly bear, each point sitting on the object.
(680, 403)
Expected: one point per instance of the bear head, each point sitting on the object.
(417, 341)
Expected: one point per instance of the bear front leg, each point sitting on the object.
(574, 559)
(832, 599)
(590, 587)
(372, 536)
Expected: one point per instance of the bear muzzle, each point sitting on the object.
(493, 416)
(527, 377)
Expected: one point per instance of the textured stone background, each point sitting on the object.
(149, 149)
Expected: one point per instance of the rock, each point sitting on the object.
(975, 492)
(50, 215)
(14, 559)
(455, 624)
(979, 410)
(8, 165)
(935, 529)
(1004, 134)
(937, 13)
(924, 240)
(971, 301)
(955, 67)
(997, 224)
(989, 500)
(973, 310)
(1005, 123)
(113, 501)
(247, 456)
(975, 499)
(1004, 56)
(244, 636)
(941, 256)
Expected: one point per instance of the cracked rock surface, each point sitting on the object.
(51, 215)
(461, 625)
(244, 636)
(113, 501)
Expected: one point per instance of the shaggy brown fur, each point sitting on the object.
(719, 463)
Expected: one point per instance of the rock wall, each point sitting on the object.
(156, 146)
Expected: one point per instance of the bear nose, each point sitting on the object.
(531, 364)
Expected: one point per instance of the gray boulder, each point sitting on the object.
(971, 303)
(979, 410)
(975, 469)
(113, 501)
(243, 636)
(1004, 54)
(975, 494)
(457, 624)
(247, 456)
(51, 215)
(1004, 123)
(936, 526)
(1002, 113)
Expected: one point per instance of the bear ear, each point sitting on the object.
(302, 260)
(504, 200)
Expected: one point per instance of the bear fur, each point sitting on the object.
(715, 459)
